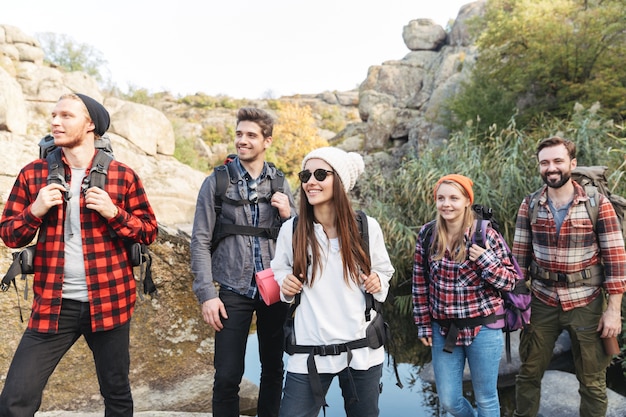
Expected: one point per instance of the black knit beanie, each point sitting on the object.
(99, 115)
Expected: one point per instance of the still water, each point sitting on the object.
(416, 399)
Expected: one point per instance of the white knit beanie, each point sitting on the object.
(347, 165)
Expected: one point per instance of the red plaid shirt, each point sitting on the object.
(460, 290)
(576, 248)
(109, 275)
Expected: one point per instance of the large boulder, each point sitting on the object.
(12, 107)
(559, 397)
(144, 126)
(423, 35)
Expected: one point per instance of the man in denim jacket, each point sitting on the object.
(233, 263)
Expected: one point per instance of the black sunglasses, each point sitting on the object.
(253, 195)
(319, 174)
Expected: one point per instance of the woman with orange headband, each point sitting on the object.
(456, 292)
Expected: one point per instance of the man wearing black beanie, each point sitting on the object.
(83, 283)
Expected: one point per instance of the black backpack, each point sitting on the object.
(138, 253)
(224, 175)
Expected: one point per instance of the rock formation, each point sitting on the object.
(401, 101)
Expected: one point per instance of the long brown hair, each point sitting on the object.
(457, 245)
(355, 259)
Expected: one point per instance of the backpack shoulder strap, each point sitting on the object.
(98, 174)
(222, 178)
(99, 169)
(592, 203)
(296, 301)
(56, 172)
(56, 175)
(277, 183)
(480, 232)
(46, 145)
(427, 242)
(532, 206)
(370, 301)
(361, 220)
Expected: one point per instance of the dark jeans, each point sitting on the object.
(230, 352)
(38, 354)
(298, 400)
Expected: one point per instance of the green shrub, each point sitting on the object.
(204, 101)
(70, 55)
(332, 119)
(543, 56)
(218, 134)
(186, 153)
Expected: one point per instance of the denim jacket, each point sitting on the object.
(232, 262)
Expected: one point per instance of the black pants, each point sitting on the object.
(38, 354)
(230, 352)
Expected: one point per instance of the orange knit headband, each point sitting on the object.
(463, 181)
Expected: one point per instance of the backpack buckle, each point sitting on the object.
(329, 350)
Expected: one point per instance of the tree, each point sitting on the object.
(295, 135)
(545, 56)
(64, 52)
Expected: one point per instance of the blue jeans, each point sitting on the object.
(38, 354)
(298, 398)
(483, 356)
(230, 352)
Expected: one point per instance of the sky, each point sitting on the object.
(239, 48)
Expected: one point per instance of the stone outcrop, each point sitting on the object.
(559, 396)
(401, 101)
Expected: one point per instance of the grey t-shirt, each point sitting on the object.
(74, 282)
(559, 214)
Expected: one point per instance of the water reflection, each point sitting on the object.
(416, 398)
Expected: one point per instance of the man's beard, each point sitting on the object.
(559, 182)
(71, 143)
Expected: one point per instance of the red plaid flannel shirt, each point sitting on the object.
(110, 280)
(460, 290)
(576, 248)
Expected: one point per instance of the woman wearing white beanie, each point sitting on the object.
(322, 263)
